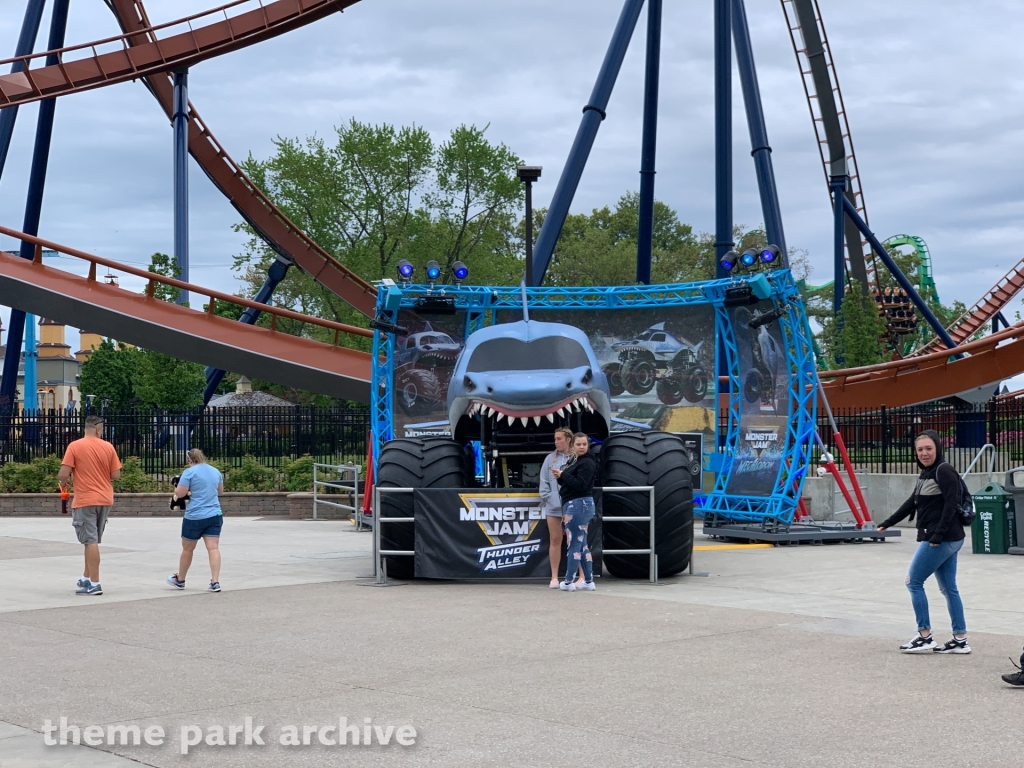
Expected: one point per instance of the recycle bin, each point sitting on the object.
(994, 529)
(1015, 485)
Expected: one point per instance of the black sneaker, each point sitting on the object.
(954, 646)
(1014, 678)
(214, 586)
(90, 589)
(919, 645)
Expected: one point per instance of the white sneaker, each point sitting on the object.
(919, 644)
(587, 586)
(954, 646)
(567, 587)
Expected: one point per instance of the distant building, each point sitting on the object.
(57, 371)
(244, 397)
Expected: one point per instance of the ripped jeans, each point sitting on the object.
(576, 515)
(941, 561)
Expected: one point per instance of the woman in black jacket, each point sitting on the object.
(935, 500)
(576, 490)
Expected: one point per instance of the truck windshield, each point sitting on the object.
(549, 352)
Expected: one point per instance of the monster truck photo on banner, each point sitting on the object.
(763, 402)
(480, 533)
(424, 360)
(659, 362)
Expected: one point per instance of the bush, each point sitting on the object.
(298, 474)
(251, 476)
(38, 476)
(133, 479)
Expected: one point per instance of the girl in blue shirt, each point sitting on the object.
(203, 517)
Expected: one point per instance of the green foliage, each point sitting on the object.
(855, 338)
(134, 479)
(38, 476)
(251, 476)
(298, 473)
(166, 382)
(162, 264)
(110, 373)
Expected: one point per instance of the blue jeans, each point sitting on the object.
(576, 515)
(941, 561)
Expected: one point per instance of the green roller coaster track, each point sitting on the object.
(922, 277)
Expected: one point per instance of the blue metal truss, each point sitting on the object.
(481, 304)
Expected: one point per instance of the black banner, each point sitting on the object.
(483, 533)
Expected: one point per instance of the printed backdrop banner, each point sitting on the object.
(481, 533)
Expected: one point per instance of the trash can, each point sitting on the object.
(994, 529)
(1015, 485)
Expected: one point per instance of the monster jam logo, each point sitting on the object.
(759, 440)
(508, 521)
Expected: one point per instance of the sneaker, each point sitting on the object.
(587, 586)
(954, 646)
(89, 589)
(1014, 678)
(567, 586)
(214, 586)
(175, 582)
(82, 581)
(553, 584)
(919, 645)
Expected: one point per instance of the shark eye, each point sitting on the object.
(587, 376)
(468, 383)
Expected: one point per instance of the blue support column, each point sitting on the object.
(723, 133)
(33, 210)
(275, 275)
(905, 284)
(30, 399)
(179, 120)
(760, 150)
(26, 42)
(645, 232)
(593, 114)
(838, 184)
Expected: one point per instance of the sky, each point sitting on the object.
(933, 92)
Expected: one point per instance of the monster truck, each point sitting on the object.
(423, 366)
(658, 359)
(511, 386)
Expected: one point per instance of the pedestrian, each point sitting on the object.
(551, 503)
(576, 489)
(91, 465)
(940, 536)
(203, 517)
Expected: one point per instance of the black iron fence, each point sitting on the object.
(882, 439)
(226, 435)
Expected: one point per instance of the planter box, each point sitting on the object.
(150, 505)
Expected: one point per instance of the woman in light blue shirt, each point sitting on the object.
(202, 484)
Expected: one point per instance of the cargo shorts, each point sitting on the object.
(89, 523)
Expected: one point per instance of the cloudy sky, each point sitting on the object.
(933, 91)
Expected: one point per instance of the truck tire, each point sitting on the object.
(669, 390)
(418, 390)
(414, 462)
(638, 376)
(614, 373)
(696, 388)
(648, 458)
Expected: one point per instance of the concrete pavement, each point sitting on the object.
(781, 657)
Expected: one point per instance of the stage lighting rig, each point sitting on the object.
(460, 272)
(433, 271)
(406, 270)
(729, 261)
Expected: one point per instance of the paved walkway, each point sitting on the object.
(781, 657)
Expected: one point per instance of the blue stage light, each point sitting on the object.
(729, 260)
(433, 270)
(770, 254)
(406, 269)
(460, 271)
(749, 257)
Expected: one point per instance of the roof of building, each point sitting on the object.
(249, 400)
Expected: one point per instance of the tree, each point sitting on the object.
(109, 373)
(856, 336)
(168, 383)
(162, 264)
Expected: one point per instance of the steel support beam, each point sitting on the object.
(838, 184)
(905, 284)
(648, 152)
(760, 149)
(593, 114)
(26, 42)
(723, 133)
(33, 211)
(275, 275)
(179, 120)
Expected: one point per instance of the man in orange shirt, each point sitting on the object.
(91, 463)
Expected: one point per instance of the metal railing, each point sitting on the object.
(380, 573)
(338, 484)
(991, 451)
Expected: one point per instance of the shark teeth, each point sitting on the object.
(550, 417)
(523, 419)
(536, 420)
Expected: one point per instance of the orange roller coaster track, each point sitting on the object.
(254, 206)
